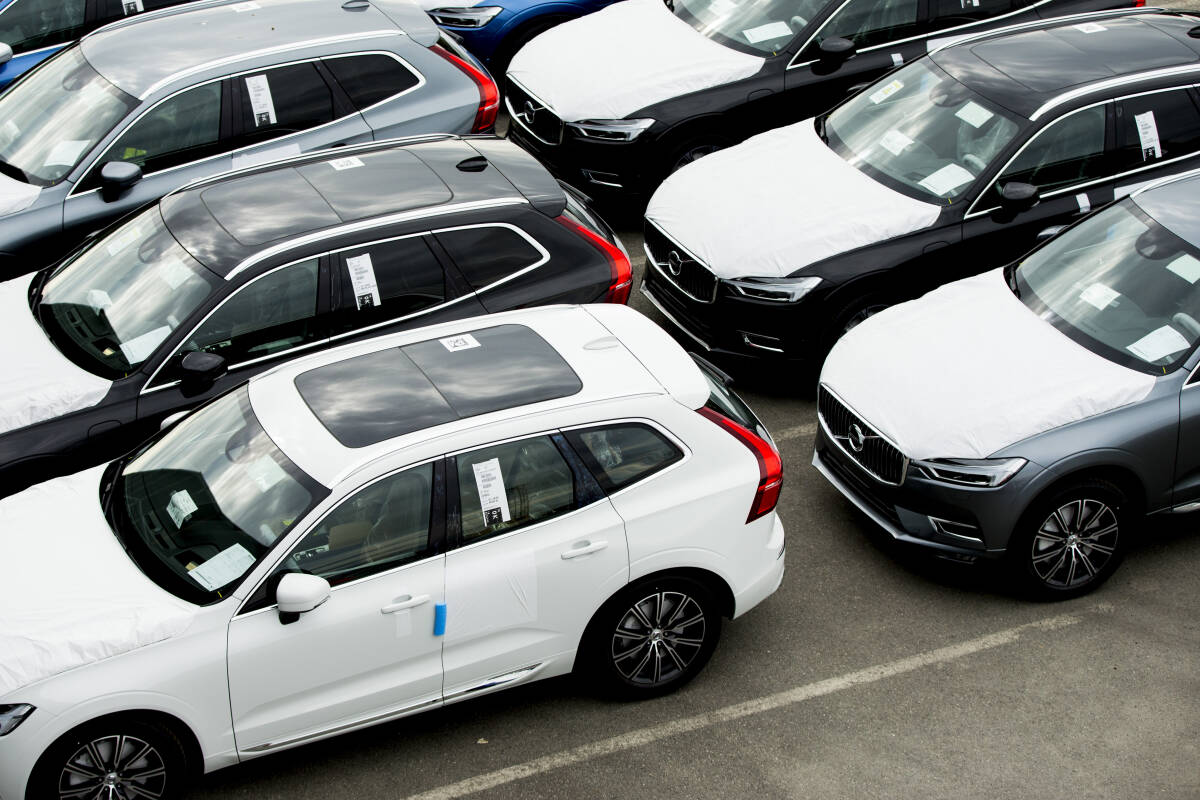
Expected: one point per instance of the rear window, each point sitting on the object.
(488, 253)
(623, 454)
(369, 79)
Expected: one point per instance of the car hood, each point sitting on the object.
(69, 595)
(43, 384)
(623, 58)
(968, 370)
(16, 195)
(777, 202)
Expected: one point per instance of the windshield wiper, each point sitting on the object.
(13, 172)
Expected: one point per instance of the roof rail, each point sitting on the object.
(169, 11)
(1192, 173)
(1108, 83)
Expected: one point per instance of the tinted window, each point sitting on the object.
(488, 254)
(371, 78)
(284, 100)
(510, 485)
(1155, 127)
(29, 24)
(871, 22)
(1069, 151)
(388, 280)
(619, 455)
(947, 13)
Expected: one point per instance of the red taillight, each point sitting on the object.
(1139, 3)
(489, 95)
(622, 270)
(770, 466)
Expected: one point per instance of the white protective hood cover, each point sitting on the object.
(777, 202)
(16, 195)
(41, 382)
(622, 58)
(69, 595)
(968, 369)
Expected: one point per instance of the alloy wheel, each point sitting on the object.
(658, 638)
(1074, 543)
(113, 768)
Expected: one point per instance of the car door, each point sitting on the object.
(369, 651)
(539, 550)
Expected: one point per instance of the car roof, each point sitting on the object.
(606, 351)
(143, 53)
(1174, 204)
(231, 220)
(1026, 69)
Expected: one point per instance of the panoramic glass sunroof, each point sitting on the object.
(378, 396)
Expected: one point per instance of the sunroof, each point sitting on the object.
(382, 395)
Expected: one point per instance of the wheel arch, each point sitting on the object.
(1122, 477)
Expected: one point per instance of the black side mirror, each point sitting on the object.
(1016, 197)
(199, 371)
(117, 178)
(835, 50)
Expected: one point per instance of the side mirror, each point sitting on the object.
(1016, 197)
(5, 53)
(298, 593)
(117, 178)
(835, 50)
(171, 419)
(199, 371)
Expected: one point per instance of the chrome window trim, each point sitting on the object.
(829, 434)
(1109, 83)
(513, 116)
(543, 252)
(62, 46)
(649, 423)
(421, 80)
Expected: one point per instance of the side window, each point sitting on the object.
(382, 526)
(183, 128)
(368, 79)
(949, 13)
(29, 24)
(274, 313)
(871, 22)
(1069, 151)
(487, 254)
(388, 280)
(283, 100)
(507, 486)
(621, 455)
(1155, 127)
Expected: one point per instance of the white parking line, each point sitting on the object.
(644, 736)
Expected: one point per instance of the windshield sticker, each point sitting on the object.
(1099, 295)
(947, 179)
(98, 299)
(132, 7)
(1159, 344)
(227, 565)
(1186, 267)
(265, 472)
(122, 240)
(261, 104)
(66, 153)
(493, 499)
(1147, 130)
(345, 163)
(897, 60)
(973, 114)
(772, 30)
(240, 7)
(723, 6)
(362, 280)
(139, 348)
(879, 95)
(462, 342)
(1090, 27)
(10, 130)
(174, 271)
(895, 142)
(180, 507)
(1085, 204)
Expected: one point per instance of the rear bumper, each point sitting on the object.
(765, 584)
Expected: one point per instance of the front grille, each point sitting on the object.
(865, 490)
(694, 279)
(533, 115)
(876, 455)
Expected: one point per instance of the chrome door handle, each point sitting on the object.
(403, 602)
(584, 549)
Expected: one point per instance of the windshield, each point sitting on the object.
(921, 130)
(54, 115)
(1121, 285)
(761, 27)
(114, 303)
(204, 503)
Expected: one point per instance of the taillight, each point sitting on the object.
(770, 466)
(489, 95)
(1139, 3)
(622, 270)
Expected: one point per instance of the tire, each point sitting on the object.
(630, 652)
(849, 318)
(694, 150)
(1071, 541)
(120, 751)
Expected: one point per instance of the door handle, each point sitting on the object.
(584, 549)
(403, 602)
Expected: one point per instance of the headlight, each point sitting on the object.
(971, 471)
(13, 715)
(475, 17)
(611, 130)
(782, 290)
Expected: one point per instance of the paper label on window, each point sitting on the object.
(240, 7)
(947, 179)
(894, 142)
(227, 565)
(139, 348)
(1090, 27)
(98, 299)
(884, 92)
(132, 7)
(116, 244)
(493, 499)
(1099, 295)
(973, 114)
(1158, 344)
(1147, 130)
(1085, 204)
(897, 60)
(772, 30)
(180, 507)
(265, 472)
(345, 163)
(261, 104)
(362, 280)
(463, 341)
(1186, 267)
(66, 153)
(173, 271)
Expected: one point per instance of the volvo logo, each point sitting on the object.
(528, 112)
(674, 263)
(856, 438)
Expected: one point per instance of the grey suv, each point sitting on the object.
(1037, 411)
(150, 103)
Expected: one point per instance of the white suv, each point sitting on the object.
(378, 530)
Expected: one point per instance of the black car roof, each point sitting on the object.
(1023, 71)
(223, 221)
